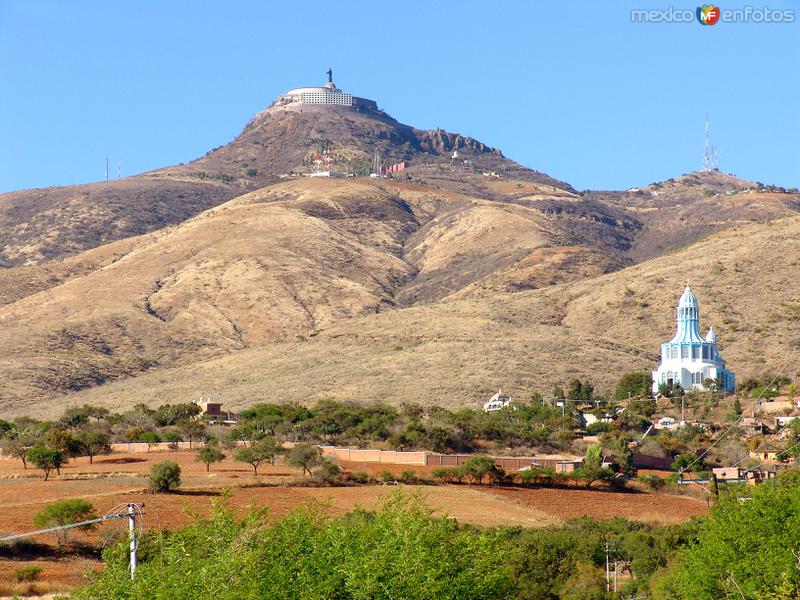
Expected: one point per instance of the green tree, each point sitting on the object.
(209, 455)
(592, 468)
(93, 443)
(258, 453)
(575, 391)
(165, 476)
(65, 512)
(304, 456)
(47, 459)
(477, 468)
(172, 437)
(192, 430)
(632, 385)
(19, 446)
(751, 543)
(148, 437)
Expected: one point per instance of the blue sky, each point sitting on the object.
(573, 89)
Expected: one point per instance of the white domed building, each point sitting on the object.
(688, 359)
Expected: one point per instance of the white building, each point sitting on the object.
(326, 96)
(688, 359)
(497, 402)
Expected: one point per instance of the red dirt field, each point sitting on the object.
(122, 478)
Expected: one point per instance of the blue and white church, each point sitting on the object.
(688, 359)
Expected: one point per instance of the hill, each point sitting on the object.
(456, 351)
(42, 225)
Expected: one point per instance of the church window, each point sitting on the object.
(705, 353)
(695, 352)
(684, 351)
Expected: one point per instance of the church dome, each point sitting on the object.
(688, 299)
(711, 337)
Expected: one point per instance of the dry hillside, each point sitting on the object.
(455, 351)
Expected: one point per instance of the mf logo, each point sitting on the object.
(708, 14)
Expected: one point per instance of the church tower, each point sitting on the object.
(688, 359)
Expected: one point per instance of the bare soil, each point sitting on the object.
(122, 478)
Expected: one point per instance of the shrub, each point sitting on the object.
(65, 512)
(408, 476)
(27, 574)
(654, 482)
(328, 470)
(598, 427)
(165, 476)
(387, 476)
(360, 477)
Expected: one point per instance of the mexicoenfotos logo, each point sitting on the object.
(708, 14)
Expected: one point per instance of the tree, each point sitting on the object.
(575, 391)
(93, 443)
(165, 476)
(478, 467)
(172, 437)
(148, 437)
(592, 468)
(633, 384)
(304, 456)
(19, 446)
(192, 430)
(47, 459)
(753, 543)
(209, 455)
(65, 512)
(259, 452)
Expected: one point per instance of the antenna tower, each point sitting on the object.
(706, 154)
(106, 168)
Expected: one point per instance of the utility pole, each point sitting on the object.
(106, 168)
(615, 576)
(132, 532)
(608, 572)
(683, 408)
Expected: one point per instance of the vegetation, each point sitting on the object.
(400, 551)
(46, 459)
(165, 476)
(748, 548)
(65, 512)
(259, 452)
(209, 455)
(27, 574)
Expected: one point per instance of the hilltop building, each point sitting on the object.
(323, 97)
(688, 359)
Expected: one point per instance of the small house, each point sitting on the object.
(497, 402)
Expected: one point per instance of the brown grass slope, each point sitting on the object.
(456, 351)
(273, 265)
(678, 212)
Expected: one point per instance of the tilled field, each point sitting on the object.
(120, 478)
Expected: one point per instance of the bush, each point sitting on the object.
(27, 574)
(598, 427)
(654, 482)
(65, 512)
(360, 477)
(165, 476)
(387, 476)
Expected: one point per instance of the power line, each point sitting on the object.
(133, 512)
(736, 422)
